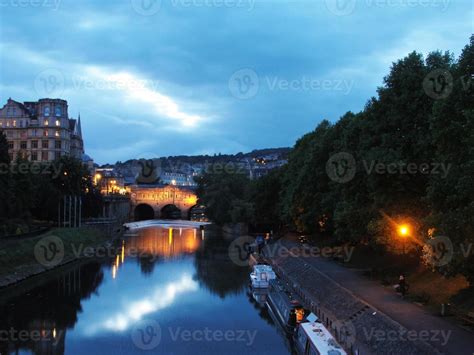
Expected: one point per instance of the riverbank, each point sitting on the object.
(361, 314)
(19, 259)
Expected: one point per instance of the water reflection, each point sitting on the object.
(173, 276)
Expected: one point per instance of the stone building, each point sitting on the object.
(41, 131)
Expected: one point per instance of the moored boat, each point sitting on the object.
(261, 276)
(312, 337)
(284, 307)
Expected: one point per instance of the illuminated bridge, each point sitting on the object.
(163, 201)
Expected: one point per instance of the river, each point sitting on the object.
(160, 290)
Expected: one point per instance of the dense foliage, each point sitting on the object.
(33, 191)
(408, 158)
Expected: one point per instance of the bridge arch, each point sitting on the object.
(170, 211)
(143, 212)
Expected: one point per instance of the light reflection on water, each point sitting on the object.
(180, 278)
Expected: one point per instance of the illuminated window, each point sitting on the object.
(46, 122)
(45, 133)
(58, 123)
(14, 123)
(57, 133)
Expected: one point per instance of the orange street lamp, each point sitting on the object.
(403, 230)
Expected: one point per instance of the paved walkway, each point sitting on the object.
(456, 340)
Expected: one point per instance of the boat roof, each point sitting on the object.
(262, 268)
(322, 339)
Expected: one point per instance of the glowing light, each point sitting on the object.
(403, 230)
(170, 236)
(114, 272)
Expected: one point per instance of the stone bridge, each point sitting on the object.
(161, 201)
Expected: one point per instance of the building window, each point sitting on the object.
(46, 110)
(34, 156)
(58, 123)
(14, 123)
(57, 144)
(11, 145)
(46, 122)
(45, 144)
(44, 156)
(34, 144)
(22, 145)
(57, 133)
(57, 155)
(1, 123)
(45, 133)
(58, 111)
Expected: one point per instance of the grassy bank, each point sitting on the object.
(17, 256)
